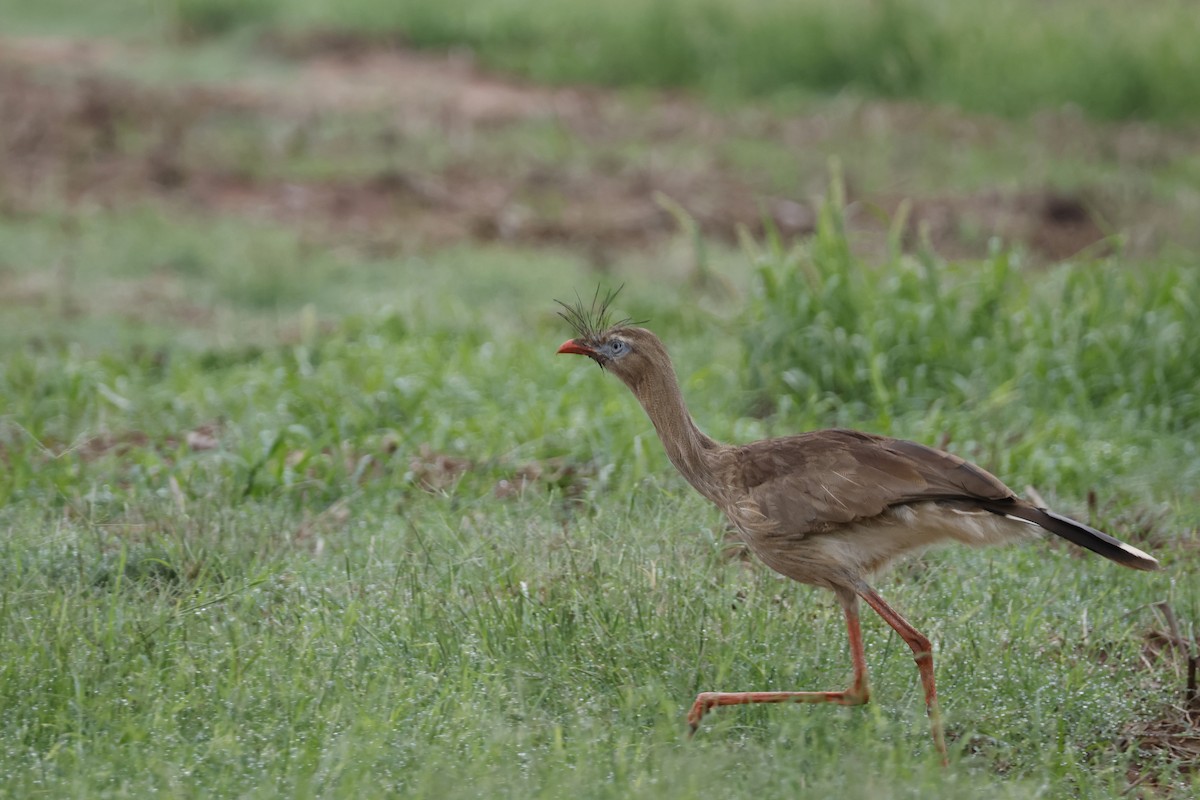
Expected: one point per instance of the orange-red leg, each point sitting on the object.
(858, 693)
(922, 653)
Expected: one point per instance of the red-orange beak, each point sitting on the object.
(573, 346)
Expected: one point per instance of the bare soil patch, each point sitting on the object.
(1174, 732)
(101, 141)
(75, 132)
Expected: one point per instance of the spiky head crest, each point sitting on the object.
(592, 321)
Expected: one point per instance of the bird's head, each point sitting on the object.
(622, 348)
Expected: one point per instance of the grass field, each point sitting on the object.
(296, 500)
(1109, 58)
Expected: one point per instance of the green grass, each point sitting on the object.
(1009, 59)
(142, 277)
(264, 530)
(1012, 58)
(1139, 181)
(1110, 341)
(511, 656)
(1111, 59)
(291, 613)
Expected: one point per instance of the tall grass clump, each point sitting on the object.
(851, 340)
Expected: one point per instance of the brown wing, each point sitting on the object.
(808, 483)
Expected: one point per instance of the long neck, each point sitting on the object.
(692, 453)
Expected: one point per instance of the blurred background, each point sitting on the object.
(847, 192)
(612, 134)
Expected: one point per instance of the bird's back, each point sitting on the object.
(811, 481)
(833, 504)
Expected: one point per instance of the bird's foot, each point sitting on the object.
(709, 700)
(704, 701)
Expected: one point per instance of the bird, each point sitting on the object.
(829, 508)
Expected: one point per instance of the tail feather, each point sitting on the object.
(1080, 534)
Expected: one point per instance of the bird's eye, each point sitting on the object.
(618, 347)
